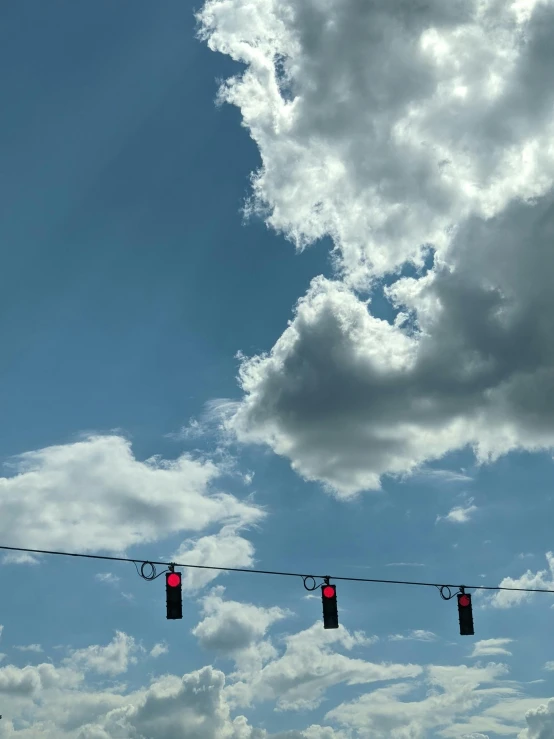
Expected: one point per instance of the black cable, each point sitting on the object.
(273, 572)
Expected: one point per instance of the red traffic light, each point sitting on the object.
(329, 602)
(464, 600)
(174, 580)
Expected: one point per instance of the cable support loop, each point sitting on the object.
(315, 585)
(442, 588)
(152, 575)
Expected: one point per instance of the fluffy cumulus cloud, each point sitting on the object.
(542, 580)
(237, 631)
(112, 659)
(66, 702)
(382, 124)
(540, 722)
(229, 627)
(224, 549)
(60, 702)
(192, 705)
(95, 495)
(400, 130)
(311, 664)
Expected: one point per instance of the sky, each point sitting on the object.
(275, 295)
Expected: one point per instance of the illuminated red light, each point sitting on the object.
(328, 591)
(174, 580)
(464, 600)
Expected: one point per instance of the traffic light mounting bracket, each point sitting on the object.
(325, 579)
(152, 575)
(442, 588)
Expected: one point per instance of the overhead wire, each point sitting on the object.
(274, 572)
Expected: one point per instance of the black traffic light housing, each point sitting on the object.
(330, 611)
(465, 614)
(174, 600)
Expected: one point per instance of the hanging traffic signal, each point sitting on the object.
(173, 595)
(330, 611)
(465, 614)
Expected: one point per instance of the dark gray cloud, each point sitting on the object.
(349, 398)
(406, 127)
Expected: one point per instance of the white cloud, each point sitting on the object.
(61, 703)
(505, 716)
(108, 577)
(112, 659)
(229, 626)
(57, 703)
(225, 549)
(549, 666)
(313, 732)
(194, 430)
(540, 722)
(298, 679)
(404, 564)
(441, 477)
(30, 648)
(489, 647)
(544, 579)
(158, 649)
(459, 514)
(94, 495)
(192, 705)
(415, 635)
(20, 558)
(453, 695)
(30, 680)
(459, 157)
(319, 77)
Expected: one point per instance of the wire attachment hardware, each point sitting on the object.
(441, 588)
(152, 574)
(315, 585)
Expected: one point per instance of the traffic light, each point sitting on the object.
(173, 595)
(330, 612)
(465, 614)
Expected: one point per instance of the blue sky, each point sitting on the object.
(181, 382)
